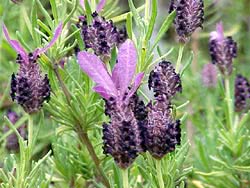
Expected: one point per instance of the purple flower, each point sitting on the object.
(241, 93)
(189, 16)
(12, 140)
(209, 75)
(162, 132)
(122, 136)
(101, 35)
(164, 81)
(222, 50)
(28, 87)
(99, 7)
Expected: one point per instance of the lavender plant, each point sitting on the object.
(108, 99)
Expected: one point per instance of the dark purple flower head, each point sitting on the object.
(29, 87)
(164, 81)
(101, 35)
(222, 50)
(122, 136)
(189, 16)
(241, 93)
(12, 140)
(162, 133)
(209, 75)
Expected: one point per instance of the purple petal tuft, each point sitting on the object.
(15, 44)
(124, 70)
(57, 33)
(101, 91)
(96, 70)
(100, 5)
(219, 33)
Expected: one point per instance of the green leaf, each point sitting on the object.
(165, 26)
(129, 26)
(152, 20)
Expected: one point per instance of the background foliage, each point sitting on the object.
(211, 155)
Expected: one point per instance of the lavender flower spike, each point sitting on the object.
(28, 87)
(209, 75)
(222, 50)
(162, 133)
(122, 136)
(241, 93)
(189, 16)
(101, 35)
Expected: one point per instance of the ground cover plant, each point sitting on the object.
(124, 94)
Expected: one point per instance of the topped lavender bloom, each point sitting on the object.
(189, 16)
(241, 93)
(209, 75)
(28, 87)
(101, 35)
(122, 137)
(12, 140)
(222, 50)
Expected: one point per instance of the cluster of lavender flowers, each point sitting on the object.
(28, 87)
(133, 127)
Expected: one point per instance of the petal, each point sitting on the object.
(82, 4)
(57, 33)
(100, 5)
(96, 70)
(218, 34)
(137, 83)
(15, 44)
(101, 91)
(125, 68)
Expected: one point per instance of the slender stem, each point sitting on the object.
(30, 134)
(125, 178)
(86, 141)
(64, 88)
(82, 135)
(229, 102)
(159, 173)
(147, 9)
(180, 54)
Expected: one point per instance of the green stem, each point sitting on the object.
(229, 102)
(82, 135)
(125, 178)
(159, 173)
(180, 54)
(30, 134)
(147, 9)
